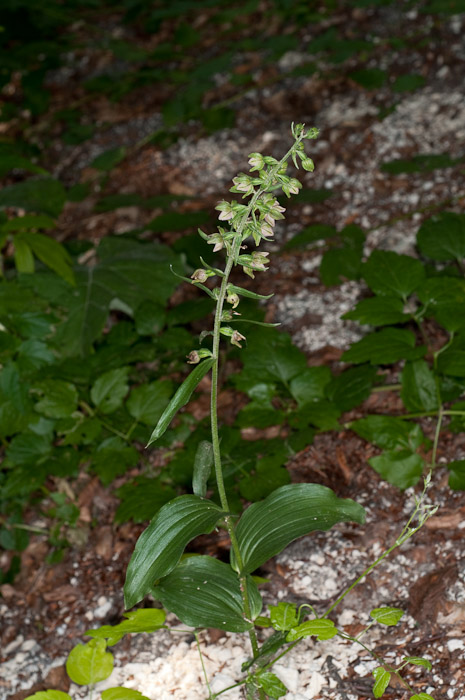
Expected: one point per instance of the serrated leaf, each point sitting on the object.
(59, 398)
(387, 616)
(418, 661)
(384, 347)
(271, 684)
(108, 391)
(141, 499)
(309, 385)
(421, 163)
(390, 274)
(402, 468)
(351, 387)
(148, 401)
(112, 458)
(89, 663)
(444, 299)
(310, 234)
(271, 356)
(443, 237)
(203, 463)
(382, 678)
(388, 432)
(162, 543)
(457, 475)
(180, 398)
(451, 362)
(122, 694)
(339, 264)
(378, 311)
(267, 527)
(50, 252)
(322, 629)
(204, 592)
(418, 391)
(142, 620)
(284, 616)
(41, 195)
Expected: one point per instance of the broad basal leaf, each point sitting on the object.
(419, 391)
(384, 348)
(443, 237)
(142, 620)
(391, 274)
(90, 663)
(267, 527)
(180, 398)
(378, 311)
(161, 545)
(204, 592)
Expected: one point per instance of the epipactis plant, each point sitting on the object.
(202, 591)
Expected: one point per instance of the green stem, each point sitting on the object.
(386, 387)
(232, 257)
(210, 696)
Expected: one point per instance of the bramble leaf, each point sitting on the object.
(443, 237)
(89, 663)
(142, 620)
(162, 543)
(109, 390)
(382, 679)
(384, 348)
(387, 616)
(378, 311)
(390, 274)
(419, 391)
(402, 468)
(457, 475)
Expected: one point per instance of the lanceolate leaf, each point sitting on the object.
(267, 527)
(247, 293)
(142, 620)
(161, 545)
(418, 661)
(387, 616)
(205, 592)
(180, 398)
(202, 467)
(50, 252)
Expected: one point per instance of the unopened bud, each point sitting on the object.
(233, 299)
(200, 275)
(193, 358)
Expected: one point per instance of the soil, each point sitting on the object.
(48, 607)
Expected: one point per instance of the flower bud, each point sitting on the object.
(308, 165)
(233, 299)
(256, 161)
(193, 358)
(200, 275)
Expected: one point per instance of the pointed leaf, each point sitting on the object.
(59, 398)
(322, 629)
(247, 293)
(351, 387)
(390, 274)
(180, 398)
(284, 616)
(444, 299)
(89, 663)
(142, 620)
(204, 592)
(109, 390)
(419, 391)
(122, 694)
(51, 253)
(382, 678)
(202, 467)
(443, 237)
(418, 661)
(49, 695)
(24, 260)
(378, 311)
(387, 616)
(161, 545)
(422, 696)
(384, 348)
(292, 511)
(402, 468)
(271, 684)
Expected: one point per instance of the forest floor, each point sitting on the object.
(47, 608)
